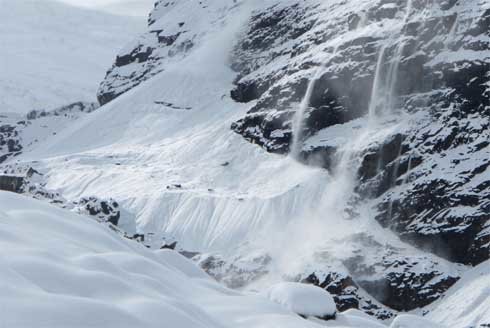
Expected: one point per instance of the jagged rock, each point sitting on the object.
(11, 183)
(427, 178)
(69, 110)
(346, 293)
(443, 73)
(168, 39)
(10, 143)
(393, 276)
(106, 210)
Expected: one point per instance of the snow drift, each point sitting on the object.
(59, 269)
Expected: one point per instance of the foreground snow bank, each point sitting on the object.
(413, 321)
(303, 299)
(59, 269)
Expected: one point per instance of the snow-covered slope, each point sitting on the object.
(98, 279)
(139, 8)
(54, 54)
(467, 304)
(59, 269)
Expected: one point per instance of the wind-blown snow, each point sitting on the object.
(54, 54)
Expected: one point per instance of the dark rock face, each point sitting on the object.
(71, 110)
(10, 143)
(169, 39)
(430, 181)
(11, 183)
(407, 290)
(105, 210)
(346, 294)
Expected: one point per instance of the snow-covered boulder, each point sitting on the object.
(303, 299)
(106, 210)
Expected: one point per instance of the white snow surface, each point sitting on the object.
(467, 303)
(54, 54)
(136, 151)
(413, 321)
(59, 269)
(304, 299)
(138, 8)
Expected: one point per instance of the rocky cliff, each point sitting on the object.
(407, 80)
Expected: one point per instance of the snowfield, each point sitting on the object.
(138, 8)
(54, 54)
(59, 269)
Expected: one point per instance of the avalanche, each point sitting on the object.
(165, 151)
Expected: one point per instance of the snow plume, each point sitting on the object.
(336, 214)
(299, 116)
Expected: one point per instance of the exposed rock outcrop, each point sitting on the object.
(425, 174)
(104, 209)
(431, 180)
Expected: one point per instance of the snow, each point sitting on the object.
(59, 269)
(355, 318)
(54, 54)
(133, 150)
(138, 8)
(306, 300)
(161, 147)
(467, 303)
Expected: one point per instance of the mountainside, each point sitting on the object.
(54, 54)
(339, 143)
